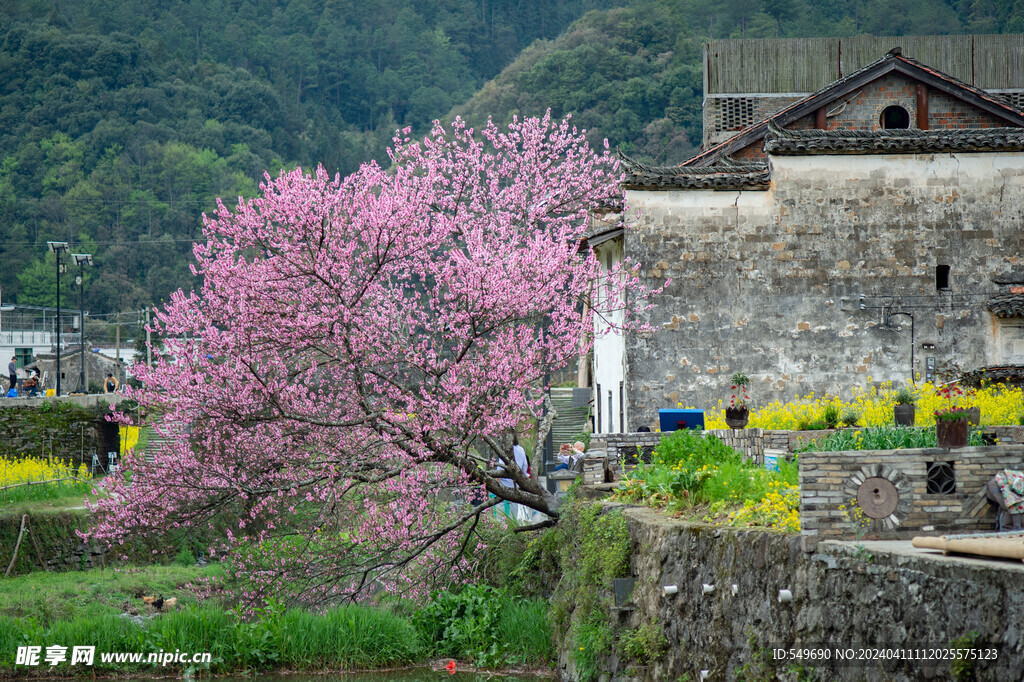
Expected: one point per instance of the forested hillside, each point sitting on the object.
(633, 75)
(122, 120)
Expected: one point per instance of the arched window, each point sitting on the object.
(893, 117)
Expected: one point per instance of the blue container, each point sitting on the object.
(670, 420)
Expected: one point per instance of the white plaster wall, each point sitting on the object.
(609, 369)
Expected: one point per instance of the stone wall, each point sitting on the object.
(901, 492)
(768, 282)
(841, 597)
(66, 428)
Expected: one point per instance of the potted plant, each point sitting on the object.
(737, 414)
(903, 412)
(951, 423)
(951, 427)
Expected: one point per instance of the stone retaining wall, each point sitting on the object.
(841, 597)
(923, 490)
(751, 442)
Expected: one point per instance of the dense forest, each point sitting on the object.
(121, 121)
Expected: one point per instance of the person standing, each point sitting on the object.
(522, 461)
(12, 371)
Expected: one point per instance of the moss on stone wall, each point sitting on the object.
(54, 428)
(52, 543)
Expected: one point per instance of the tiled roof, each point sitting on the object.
(1012, 277)
(1005, 374)
(1006, 305)
(726, 174)
(794, 142)
(893, 61)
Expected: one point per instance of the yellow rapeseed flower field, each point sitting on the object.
(129, 437)
(1000, 404)
(14, 471)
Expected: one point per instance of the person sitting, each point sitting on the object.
(568, 455)
(111, 383)
(31, 385)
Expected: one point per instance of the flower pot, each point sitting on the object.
(974, 416)
(904, 414)
(736, 417)
(951, 434)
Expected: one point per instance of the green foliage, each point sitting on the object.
(645, 644)
(122, 121)
(185, 557)
(962, 668)
(690, 468)
(346, 637)
(831, 416)
(739, 379)
(850, 416)
(904, 396)
(592, 641)
(484, 625)
(881, 438)
(593, 547)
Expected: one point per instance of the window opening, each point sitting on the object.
(941, 277)
(622, 408)
(895, 117)
(941, 478)
(611, 420)
(597, 410)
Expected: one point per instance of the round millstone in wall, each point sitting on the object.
(882, 493)
(878, 497)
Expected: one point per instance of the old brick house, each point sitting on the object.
(858, 233)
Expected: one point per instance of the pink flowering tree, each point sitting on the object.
(344, 381)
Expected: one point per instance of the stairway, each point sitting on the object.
(571, 421)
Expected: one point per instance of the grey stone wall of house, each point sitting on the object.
(841, 597)
(724, 116)
(768, 282)
(926, 490)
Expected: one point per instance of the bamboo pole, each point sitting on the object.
(49, 480)
(17, 546)
(1006, 548)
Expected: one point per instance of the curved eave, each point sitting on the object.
(760, 180)
(1006, 305)
(796, 143)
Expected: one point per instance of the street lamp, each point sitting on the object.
(82, 259)
(58, 248)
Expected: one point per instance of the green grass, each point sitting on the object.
(523, 626)
(67, 500)
(86, 609)
(347, 637)
(46, 496)
(50, 597)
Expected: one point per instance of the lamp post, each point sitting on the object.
(82, 259)
(58, 248)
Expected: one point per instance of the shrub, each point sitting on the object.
(485, 625)
(644, 645)
(850, 417)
